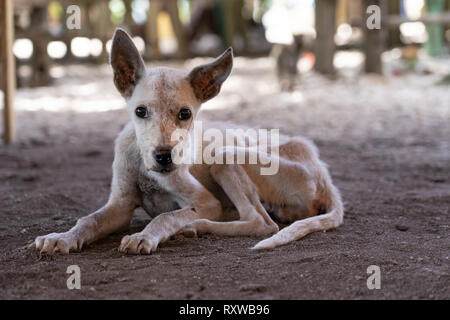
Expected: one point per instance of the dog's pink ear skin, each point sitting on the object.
(206, 80)
(127, 63)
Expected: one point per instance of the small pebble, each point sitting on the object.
(253, 288)
(201, 288)
(401, 227)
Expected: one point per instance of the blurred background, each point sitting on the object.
(54, 42)
(300, 34)
(182, 29)
(56, 52)
(361, 67)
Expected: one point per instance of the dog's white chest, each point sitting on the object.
(155, 200)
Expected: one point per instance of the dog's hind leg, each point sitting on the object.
(254, 219)
(329, 195)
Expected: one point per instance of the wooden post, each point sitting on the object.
(375, 39)
(102, 27)
(241, 24)
(151, 30)
(435, 31)
(40, 59)
(128, 21)
(325, 26)
(447, 25)
(228, 22)
(394, 33)
(341, 12)
(8, 69)
(178, 28)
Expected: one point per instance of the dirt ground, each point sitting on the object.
(386, 141)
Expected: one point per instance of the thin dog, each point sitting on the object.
(194, 198)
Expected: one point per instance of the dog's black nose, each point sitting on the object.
(163, 156)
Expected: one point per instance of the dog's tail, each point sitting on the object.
(301, 228)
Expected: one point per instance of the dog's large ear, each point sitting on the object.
(126, 62)
(206, 80)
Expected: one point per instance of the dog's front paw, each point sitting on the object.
(57, 242)
(138, 243)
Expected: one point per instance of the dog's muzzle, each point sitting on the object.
(163, 157)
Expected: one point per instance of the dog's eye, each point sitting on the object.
(184, 114)
(141, 112)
